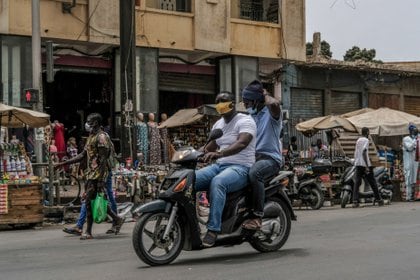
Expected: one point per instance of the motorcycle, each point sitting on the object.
(305, 185)
(385, 187)
(171, 223)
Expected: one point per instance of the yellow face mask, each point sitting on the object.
(224, 107)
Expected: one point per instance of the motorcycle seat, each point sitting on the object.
(389, 187)
(231, 197)
(378, 170)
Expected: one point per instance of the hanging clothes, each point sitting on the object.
(142, 134)
(165, 144)
(58, 130)
(155, 144)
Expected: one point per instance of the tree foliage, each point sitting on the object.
(355, 53)
(325, 49)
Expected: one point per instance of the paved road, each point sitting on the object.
(332, 243)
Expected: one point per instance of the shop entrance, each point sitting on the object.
(73, 96)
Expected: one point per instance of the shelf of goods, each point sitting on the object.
(20, 193)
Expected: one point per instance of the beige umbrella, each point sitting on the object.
(11, 116)
(357, 112)
(385, 121)
(181, 118)
(311, 126)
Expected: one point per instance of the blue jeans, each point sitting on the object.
(261, 171)
(220, 179)
(82, 216)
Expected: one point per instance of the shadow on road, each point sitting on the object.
(237, 258)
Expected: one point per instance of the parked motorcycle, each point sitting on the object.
(385, 187)
(305, 185)
(171, 223)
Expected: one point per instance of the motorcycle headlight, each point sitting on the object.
(180, 155)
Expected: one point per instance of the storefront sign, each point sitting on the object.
(39, 134)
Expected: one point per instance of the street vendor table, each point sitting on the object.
(21, 204)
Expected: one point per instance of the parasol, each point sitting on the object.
(357, 112)
(385, 121)
(182, 117)
(312, 126)
(11, 116)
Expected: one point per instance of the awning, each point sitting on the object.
(182, 117)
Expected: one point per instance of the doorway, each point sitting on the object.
(73, 96)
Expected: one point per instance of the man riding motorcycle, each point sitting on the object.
(266, 112)
(235, 154)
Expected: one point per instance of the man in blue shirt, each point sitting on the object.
(266, 113)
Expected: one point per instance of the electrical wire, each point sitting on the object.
(96, 29)
(88, 22)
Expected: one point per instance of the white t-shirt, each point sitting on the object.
(239, 124)
(361, 145)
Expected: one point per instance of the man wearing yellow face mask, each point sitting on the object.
(235, 154)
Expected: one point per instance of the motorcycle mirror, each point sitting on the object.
(215, 134)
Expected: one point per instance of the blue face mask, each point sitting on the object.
(251, 110)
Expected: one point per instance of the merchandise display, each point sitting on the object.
(15, 165)
(20, 191)
(193, 135)
(139, 184)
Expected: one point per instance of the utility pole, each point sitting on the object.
(36, 68)
(128, 75)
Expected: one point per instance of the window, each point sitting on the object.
(258, 10)
(170, 5)
(15, 68)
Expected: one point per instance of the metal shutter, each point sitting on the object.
(343, 102)
(412, 105)
(188, 83)
(306, 103)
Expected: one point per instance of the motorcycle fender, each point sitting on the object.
(308, 182)
(285, 198)
(347, 188)
(271, 210)
(154, 206)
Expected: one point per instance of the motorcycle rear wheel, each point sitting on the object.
(148, 238)
(345, 199)
(317, 200)
(283, 234)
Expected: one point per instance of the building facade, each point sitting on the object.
(186, 51)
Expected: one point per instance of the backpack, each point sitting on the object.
(112, 158)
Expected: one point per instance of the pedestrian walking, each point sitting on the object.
(364, 168)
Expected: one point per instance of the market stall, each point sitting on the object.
(388, 126)
(341, 135)
(20, 191)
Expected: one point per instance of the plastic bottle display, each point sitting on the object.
(13, 165)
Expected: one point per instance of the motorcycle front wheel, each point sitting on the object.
(279, 234)
(345, 199)
(148, 241)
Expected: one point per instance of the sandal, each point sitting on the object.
(86, 237)
(252, 224)
(111, 230)
(73, 230)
